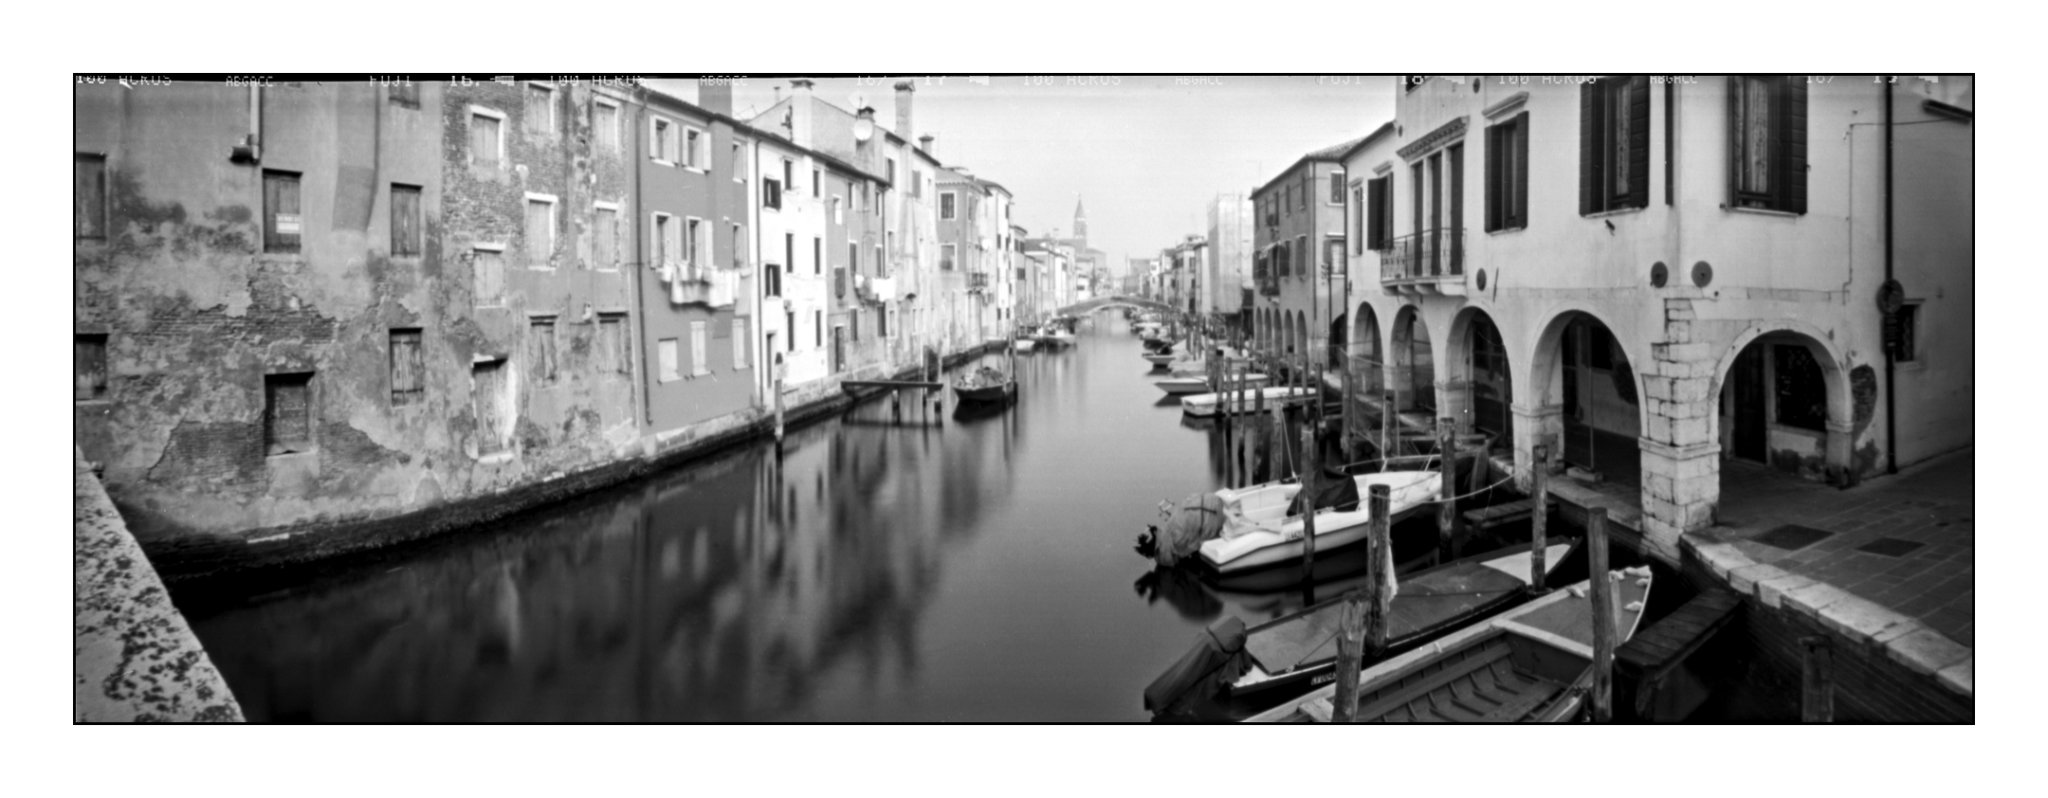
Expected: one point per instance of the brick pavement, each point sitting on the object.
(1932, 504)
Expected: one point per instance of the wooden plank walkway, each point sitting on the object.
(851, 385)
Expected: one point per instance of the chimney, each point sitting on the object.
(715, 96)
(904, 89)
(800, 107)
(929, 140)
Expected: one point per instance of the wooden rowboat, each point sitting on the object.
(1531, 664)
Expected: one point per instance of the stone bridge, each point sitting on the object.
(1107, 302)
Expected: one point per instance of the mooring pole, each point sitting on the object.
(1350, 658)
(1379, 540)
(1446, 508)
(778, 406)
(1308, 505)
(1602, 586)
(1817, 688)
(1539, 518)
(1350, 409)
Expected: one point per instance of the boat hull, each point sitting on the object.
(1210, 404)
(1183, 386)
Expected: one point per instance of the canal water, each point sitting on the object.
(876, 571)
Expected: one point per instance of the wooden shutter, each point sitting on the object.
(1734, 138)
(1639, 142)
(739, 343)
(407, 374)
(1520, 218)
(1589, 148)
(281, 220)
(89, 367)
(288, 412)
(1791, 173)
(405, 230)
(88, 196)
(539, 241)
(1495, 181)
(489, 401)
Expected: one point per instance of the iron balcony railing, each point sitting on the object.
(977, 281)
(1430, 253)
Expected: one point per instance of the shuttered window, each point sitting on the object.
(613, 354)
(1767, 143)
(88, 196)
(281, 222)
(771, 193)
(1614, 144)
(604, 123)
(946, 256)
(1379, 214)
(605, 244)
(1507, 174)
(88, 367)
(1336, 188)
(540, 110)
(671, 370)
(818, 328)
(700, 364)
(540, 232)
(882, 322)
(405, 221)
(1358, 220)
(739, 343)
(486, 139)
(540, 349)
(408, 375)
(662, 144)
(288, 413)
(694, 149)
(488, 277)
(492, 385)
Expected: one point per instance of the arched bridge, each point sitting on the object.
(1087, 306)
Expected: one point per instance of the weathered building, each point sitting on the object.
(1299, 237)
(1227, 274)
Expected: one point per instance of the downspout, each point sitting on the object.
(1891, 423)
(639, 161)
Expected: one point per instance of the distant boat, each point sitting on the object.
(1025, 344)
(1209, 404)
(1183, 385)
(1531, 664)
(985, 385)
(1160, 359)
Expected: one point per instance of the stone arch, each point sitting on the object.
(1412, 362)
(1477, 376)
(1592, 410)
(1836, 440)
(1367, 362)
(1339, 342)
(1301, 338)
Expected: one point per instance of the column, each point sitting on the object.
(1541, 425)
(1681, 459)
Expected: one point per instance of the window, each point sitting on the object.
(670, 371)
(739, 163)
(789, 173)
(771, 193)
(540, 231)
(1907, 338)
(691, 241)
(664, 234)
(817, 184)
(917, 183)
(404, 93)
(662, 144)
(408, 376)
(699, 366)
(1801, 390)
(1336, 188)
(540, 109)
(604, 123)
(1614, 144)
(838, 212)
(881, 266)
(88, 367)
(947, 209)
(1357, 221)
(288, 413)
(1333, 252)
(739, 253)
(281, 221)
(817, 255)
(540, 348)
(488, 278)
(946, 256)
(405, 221)
(492, 385)
(486, 137)
(1507, 174)
(853, 323)
(605, 242)
(892, 170)
(882, 323)
(613, 351)
(1767, 143)
(791, 329)
(818, 328)
(1300, 257)
(739, 343)
(852, 258)
(789, 251)
(88, 196)
(1379, 227)
(696, 149)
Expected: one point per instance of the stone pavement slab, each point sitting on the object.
(133, 656)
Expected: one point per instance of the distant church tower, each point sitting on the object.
(1080, 225)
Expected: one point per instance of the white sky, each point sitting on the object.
(1146, 154)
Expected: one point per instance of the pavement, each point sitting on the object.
(133, 656)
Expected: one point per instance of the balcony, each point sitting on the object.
(1429, 262)
(977, 282)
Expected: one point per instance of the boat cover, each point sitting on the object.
(1336, 490)
(1216, 659)
(1199, 518)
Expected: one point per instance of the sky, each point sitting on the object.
(1146, 154)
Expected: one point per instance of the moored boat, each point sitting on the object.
(1176, 386)
(1258, 532)
(1025, 344)
(985, 385)
(1209, 404)
(1530, 664)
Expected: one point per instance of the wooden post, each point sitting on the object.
(1387, 405)
(778, 404)
(1539, 518)
(1446, 509)
(1603, 615)
(1379, 540)
(1350, 409)
(1309, 473)
(1350, 658)
(1817, 690)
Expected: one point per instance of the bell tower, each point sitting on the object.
(1080, 225)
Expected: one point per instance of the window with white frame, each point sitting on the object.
(699, 365)
(486, 136)
(604, 124)
(604, 254)
(739, 163)
(664, 231)
(739, 343)
(946, 256)
(540, 230)
(948, 206)
(661, 141)
(817, 184)
(696, 149)
(696, 250)
(540, 108)
(669, 353)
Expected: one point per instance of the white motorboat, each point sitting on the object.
(1178, 386)
(1209, 404)
(1025, 344)
(1257, 531)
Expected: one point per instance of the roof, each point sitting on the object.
(748, 127)
(1327, 154)
(1385, 130)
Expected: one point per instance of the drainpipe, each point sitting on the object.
(638, 159)
(1891, 422)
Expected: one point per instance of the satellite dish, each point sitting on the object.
(858, 99)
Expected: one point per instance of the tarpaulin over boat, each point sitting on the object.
(1335, 489)
(1217, 659)
(1199, 518)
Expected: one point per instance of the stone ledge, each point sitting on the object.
(1744, 580)
(1722, 558)
(1812, 599)
(1960, 677)
(1926, 651)
(1859, 618)
(1771, 593)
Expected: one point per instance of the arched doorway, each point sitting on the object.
(1339, 346)
(1301, 347)
(1481, 372)
(1414, 378)
(1367, 365)
(1783, 401)
(1583, 373)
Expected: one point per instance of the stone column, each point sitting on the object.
(1535, 426)
(1681, 459)
(1454, 400)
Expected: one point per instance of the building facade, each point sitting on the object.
(1298, 237)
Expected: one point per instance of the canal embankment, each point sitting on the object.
(133, 656)
(200, 558)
